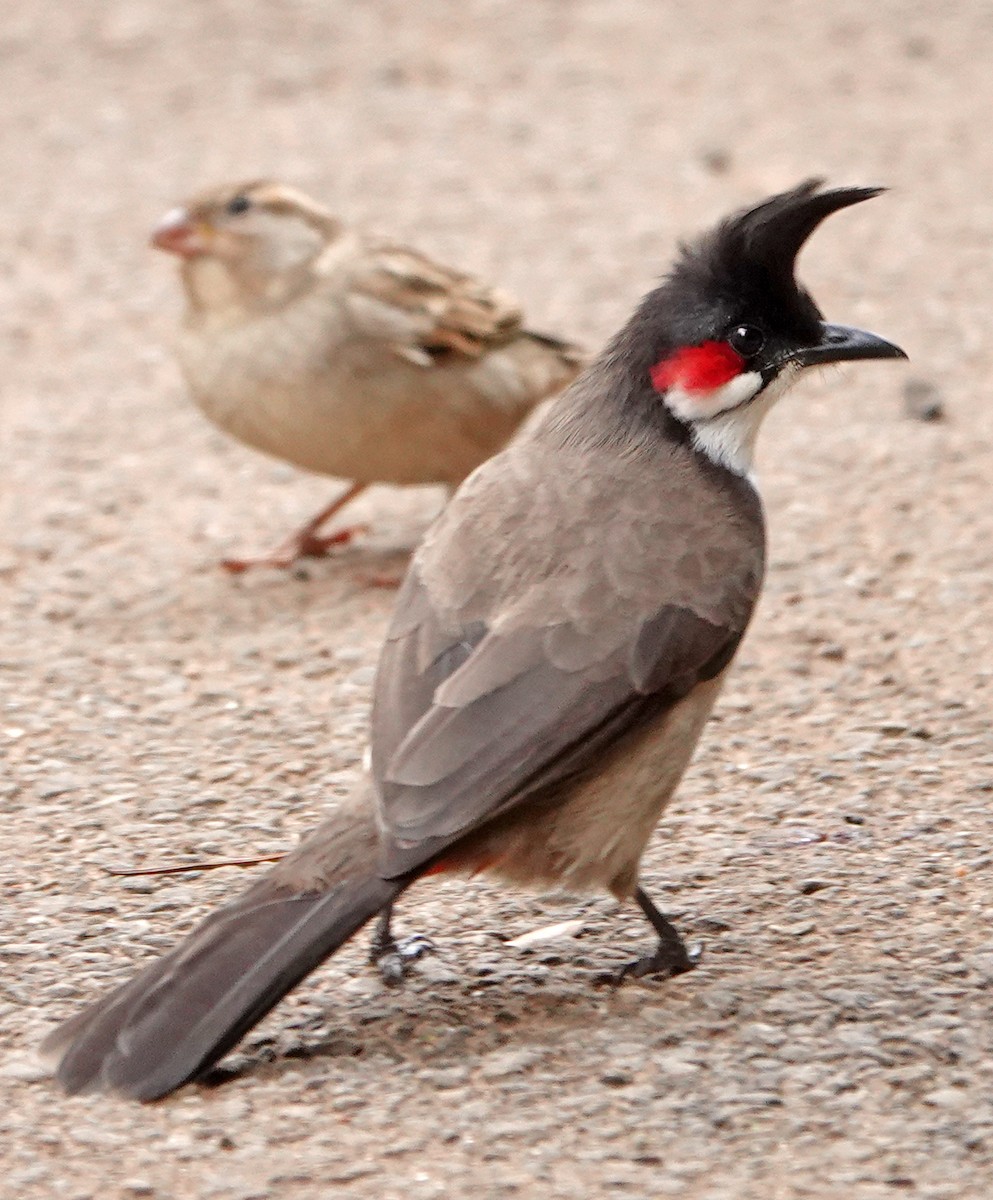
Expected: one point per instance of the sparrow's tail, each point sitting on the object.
(183, 1012)
(552, 363)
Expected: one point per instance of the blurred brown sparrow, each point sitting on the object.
(345, 353)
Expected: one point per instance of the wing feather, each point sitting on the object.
(511, 717)
(430, 309)
(500, 679)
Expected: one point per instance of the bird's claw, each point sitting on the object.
(393, 957)
(312, 545)
(665, 963)
(302, 545)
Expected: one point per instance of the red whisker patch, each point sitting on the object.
(697, 368)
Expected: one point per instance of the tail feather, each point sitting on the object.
(183, 1012)
(570, 354)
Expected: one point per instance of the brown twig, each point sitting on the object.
(182, 868)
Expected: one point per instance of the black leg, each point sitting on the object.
(671, 956)
(391, 956)
(382, 938)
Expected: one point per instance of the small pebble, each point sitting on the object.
(922, 401)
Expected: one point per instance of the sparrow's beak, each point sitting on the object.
(842, 343)
(179, 234)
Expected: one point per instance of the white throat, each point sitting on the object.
(219, 289)
(728, 436)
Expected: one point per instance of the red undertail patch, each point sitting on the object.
(697, 368)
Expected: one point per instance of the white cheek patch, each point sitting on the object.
(702, 406)
(728, 437)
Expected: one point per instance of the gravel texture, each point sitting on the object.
(831, 848)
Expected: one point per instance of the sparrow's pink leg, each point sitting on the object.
(305, 542)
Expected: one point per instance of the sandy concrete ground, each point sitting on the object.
(832, 846)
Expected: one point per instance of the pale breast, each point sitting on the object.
(594, 837)
(296, 384)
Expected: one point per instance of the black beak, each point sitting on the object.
(842, 343)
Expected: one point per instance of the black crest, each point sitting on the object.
(761, 244)
(741, 270)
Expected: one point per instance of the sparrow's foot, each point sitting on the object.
(306, 542)
(393, 956)
(310, 545)
(301, 545)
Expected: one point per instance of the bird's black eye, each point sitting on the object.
(238, 205)
(747, 340)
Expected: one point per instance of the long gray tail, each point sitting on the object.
(182, 1013)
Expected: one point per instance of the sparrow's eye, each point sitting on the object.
(239, 205)
(747, 340)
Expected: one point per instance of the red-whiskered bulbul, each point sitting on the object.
(557, 645)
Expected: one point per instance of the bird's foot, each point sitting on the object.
(393, 956)
(671, 958)
(312, 545)
(304, 544)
